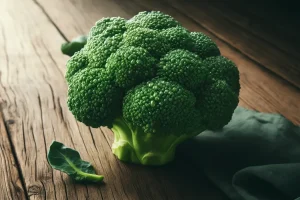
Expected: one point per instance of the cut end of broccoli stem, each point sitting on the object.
(133, 145)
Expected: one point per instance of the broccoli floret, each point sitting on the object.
(221, 68)
(108, 27)
(154, 83)
(158, 106)
(216, 102)
(131, 66)
(204, 46)
(149, 39)
(178, 38)
(181, 66)
(153, 20)
(100, 48)
(77, 62)
(92, 97)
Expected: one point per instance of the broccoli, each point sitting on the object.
(153, 83)
(178, 38)
(203, 45)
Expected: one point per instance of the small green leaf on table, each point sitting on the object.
(70, 48)
(68, 161)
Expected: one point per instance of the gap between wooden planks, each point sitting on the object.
(11, 187)
(277, 15)
(33, 95)
(268, 30)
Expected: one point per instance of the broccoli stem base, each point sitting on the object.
(132, 144)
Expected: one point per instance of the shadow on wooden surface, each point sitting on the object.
(33, 96)
(178, 180)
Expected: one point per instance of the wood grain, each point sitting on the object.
(33, 93)
(258, 27)
(279, 16)
(33, 90)
(11, 187)
(253, 47)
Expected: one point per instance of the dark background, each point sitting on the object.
(282, 17)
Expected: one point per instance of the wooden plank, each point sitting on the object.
(255, 48)
(11, 187)
(279, 16)
(259, 28)
(34, 92)
(34, 96)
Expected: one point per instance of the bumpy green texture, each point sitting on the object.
(93, 98)
(131, 66)
(149, 39)
(99, 48)
(153, 20)
(77, 62)
(178, 38)
(108, 27)
(222, 68)
(218, 97)
(203, 45)
(158, 106)
(181, 66)
(154, 83)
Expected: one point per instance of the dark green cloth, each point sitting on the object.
(255, 157)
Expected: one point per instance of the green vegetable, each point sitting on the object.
(69, 48)
(153, 83)
(68, 161)
(151, 20)
(204, 46)
(108, 27)
(178, 38)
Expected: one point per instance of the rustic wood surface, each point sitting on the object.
(33, 96)
(11, 184)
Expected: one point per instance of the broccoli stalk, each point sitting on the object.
(132, 144)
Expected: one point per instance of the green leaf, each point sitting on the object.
(70, 48)
(68, 161)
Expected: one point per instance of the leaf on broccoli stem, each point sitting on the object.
(68, 161)
(70, 48)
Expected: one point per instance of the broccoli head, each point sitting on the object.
(153, 83)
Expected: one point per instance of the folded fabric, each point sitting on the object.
(255, 157)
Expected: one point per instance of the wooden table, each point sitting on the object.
(33, 94)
